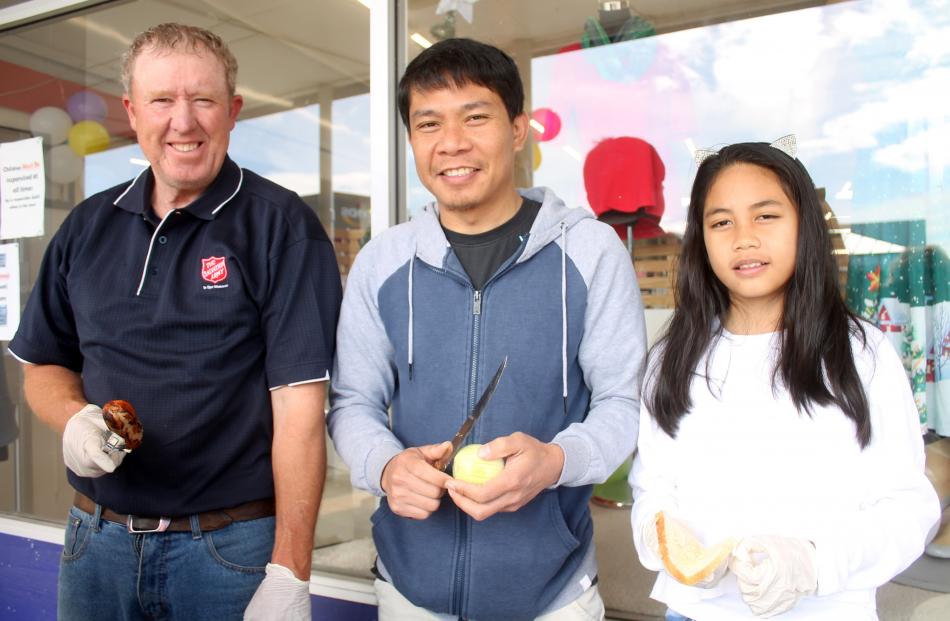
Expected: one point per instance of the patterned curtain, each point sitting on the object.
(906, 294)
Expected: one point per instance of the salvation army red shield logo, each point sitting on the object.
(214, 269)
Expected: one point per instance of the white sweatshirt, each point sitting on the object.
(746, 462)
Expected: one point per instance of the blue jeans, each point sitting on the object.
(107, 573)
(675, 616)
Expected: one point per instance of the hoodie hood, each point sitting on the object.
(432, 246)
(548, 225)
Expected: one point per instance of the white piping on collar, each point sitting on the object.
(213, 211)
(131, 185)
(233, 194)
(149, 255)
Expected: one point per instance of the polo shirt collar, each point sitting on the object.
(137, 196)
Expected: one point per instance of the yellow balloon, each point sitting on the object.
(87, 137)
(536, 156)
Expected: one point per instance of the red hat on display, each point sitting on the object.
(624, 181)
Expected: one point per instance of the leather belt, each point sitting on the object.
(209, 520)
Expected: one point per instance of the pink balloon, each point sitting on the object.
(547, 119)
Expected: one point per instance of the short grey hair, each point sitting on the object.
(171, 36)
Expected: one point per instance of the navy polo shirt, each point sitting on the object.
(192, 319)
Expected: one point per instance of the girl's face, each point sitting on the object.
(751, 232)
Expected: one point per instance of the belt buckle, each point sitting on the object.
(163, 523)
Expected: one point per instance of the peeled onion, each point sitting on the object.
(469, 467)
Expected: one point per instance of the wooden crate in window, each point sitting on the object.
(654, 260)
(347, 242)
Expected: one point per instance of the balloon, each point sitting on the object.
(86, 106)
(64, 165)
(51, 123)
(88, 137)
(535, 156)
(549, 121)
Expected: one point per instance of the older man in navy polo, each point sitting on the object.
(207, 297)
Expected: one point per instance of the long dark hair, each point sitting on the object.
(816, 363)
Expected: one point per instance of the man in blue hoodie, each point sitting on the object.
(431, 308)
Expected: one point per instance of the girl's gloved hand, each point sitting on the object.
(774, 572)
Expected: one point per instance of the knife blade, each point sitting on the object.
(477, 411)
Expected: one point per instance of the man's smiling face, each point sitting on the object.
(464, 145)
(182, 114)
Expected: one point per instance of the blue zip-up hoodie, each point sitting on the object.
(415, 336)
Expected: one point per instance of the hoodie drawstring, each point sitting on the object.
(412, 262)
(564, 312)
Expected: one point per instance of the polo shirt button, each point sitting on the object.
(162, 239)
(154, 271)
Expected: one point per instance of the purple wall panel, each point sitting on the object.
(28, 571)
(327, 609)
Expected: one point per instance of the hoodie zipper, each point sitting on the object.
(463, 517)
(477, 315)
(459, 571)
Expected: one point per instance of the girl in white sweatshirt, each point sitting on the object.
(772, 415)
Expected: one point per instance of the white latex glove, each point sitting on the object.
(83, 438)
(652, 540)
(773, 572)
(280, 596)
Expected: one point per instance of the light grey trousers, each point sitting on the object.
(394, 607)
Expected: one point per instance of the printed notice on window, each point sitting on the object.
(9, 290)
(22, 188)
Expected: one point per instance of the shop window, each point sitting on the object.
(621, 94)
(304, 76)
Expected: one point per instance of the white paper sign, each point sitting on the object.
(22, 188)
(9, 290)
